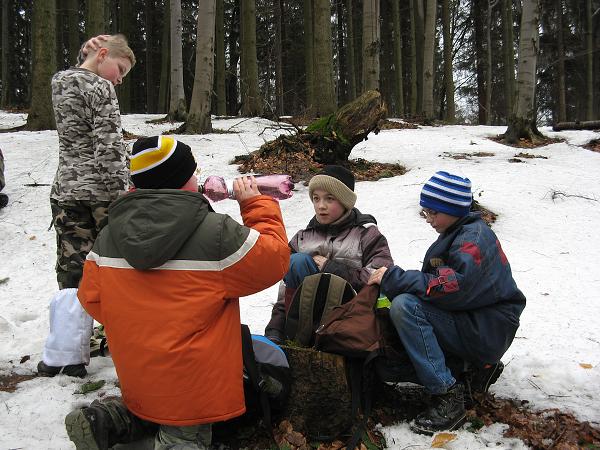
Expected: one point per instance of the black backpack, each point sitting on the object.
(267, 376)
(315, 297)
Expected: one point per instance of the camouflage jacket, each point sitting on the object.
(92, 160)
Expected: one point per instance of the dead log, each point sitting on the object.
(586, 125)
(330, 139)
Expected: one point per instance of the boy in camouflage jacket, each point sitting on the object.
(92, 172)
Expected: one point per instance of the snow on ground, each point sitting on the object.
(548, 214)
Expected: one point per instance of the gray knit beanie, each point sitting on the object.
(336, 180)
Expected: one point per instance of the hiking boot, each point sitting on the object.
(446, 412)
(74, 370)
(89, 427)
(482, 379)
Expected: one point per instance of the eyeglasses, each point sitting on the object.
(429, 212)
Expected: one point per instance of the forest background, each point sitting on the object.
(455, 61)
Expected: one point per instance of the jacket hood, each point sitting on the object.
(149, 226)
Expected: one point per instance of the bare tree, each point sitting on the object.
(448, 76)
(177, 105)
(522, 123)
(428, 52)
(41, 115)
(308, 54)
(398, 58)
(561, 113)
(509, 55)
(323, 58)
(370, 45)
(252, 104)
(220, 95)
(198, 119)
(350, 49)
(278, 59)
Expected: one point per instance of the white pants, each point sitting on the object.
(70, 331)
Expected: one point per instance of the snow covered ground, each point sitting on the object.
(548, 215)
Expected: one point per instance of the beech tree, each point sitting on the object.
(177, 104)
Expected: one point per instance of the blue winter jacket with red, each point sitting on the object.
(466, 272)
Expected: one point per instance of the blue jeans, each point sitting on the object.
(426, 332)
(301, 266)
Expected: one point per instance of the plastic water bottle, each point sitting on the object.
(277, 186)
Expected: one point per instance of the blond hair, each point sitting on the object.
(118, 47)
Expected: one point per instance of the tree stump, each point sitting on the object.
(329, 139)
(320, 403)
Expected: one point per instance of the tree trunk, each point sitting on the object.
(419, 19)
(151, 44)
(329, 413)
(589, 60)
(5, 46)
(488, 62)
(323, 59)
(399, 79)
(74, 40)
(278, 59)
(177, 106)
(522, 124)
(165, 57)
(448, 76)
(509, 55)
(561, 110)
(199, 120)
(94, 21)
(251, 100)
(309, 55)
(220, 95)
(371, 45)
(351, 73)
(428, 53)
(234, 56)
(124, 89)
(342, 54)
(413, 61)
(478, 24)
(41, 114)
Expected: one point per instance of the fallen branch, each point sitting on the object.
(555, 194)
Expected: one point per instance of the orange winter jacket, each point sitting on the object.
(164, 278)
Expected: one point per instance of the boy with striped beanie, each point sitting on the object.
(463, 303)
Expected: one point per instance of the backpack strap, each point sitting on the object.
(335, 294)
(308, 293)
(254, 376)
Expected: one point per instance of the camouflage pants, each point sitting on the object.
(129, 428)
(77, 223)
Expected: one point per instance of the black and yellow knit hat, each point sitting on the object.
(336, 180)
(161, 162)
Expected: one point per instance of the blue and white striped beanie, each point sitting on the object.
(447, 193)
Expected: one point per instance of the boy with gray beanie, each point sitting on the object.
(463, 302)
(339, 239)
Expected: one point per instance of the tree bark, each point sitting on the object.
(561, 108)
(125, 27)
(231, 82)
(589, 60)
(488, 62)
(4, 100)
(151, 44)
(428, 54)
(371, 45)
(278, 59)
(448, 76)
(41, 114)
(251, 99)
(165, 57)
(329, 413)
(509, 55)
(399, 87)
(413, 60)
(586, 125)
(309, 55)
(330, 139)
(94, 21)
(74, 40)
(522, 124)
(351, 73)
(220, 95)
(177, 106)
(342, 53)
(478, 24)
(199, 120)
(323, 59)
